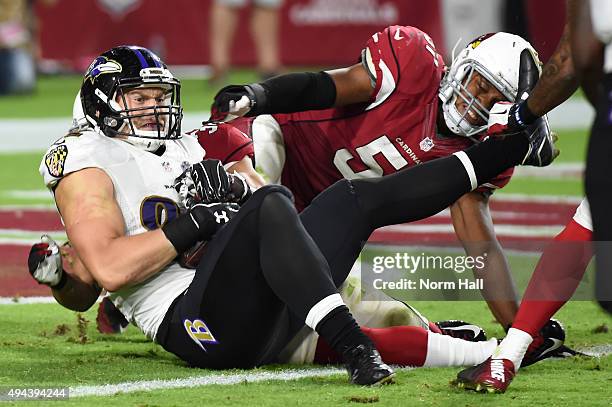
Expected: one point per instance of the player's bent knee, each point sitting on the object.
(268, 189)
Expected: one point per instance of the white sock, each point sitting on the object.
(322, 308)
(513, 347)
(444, 350)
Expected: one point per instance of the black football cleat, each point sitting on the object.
(462, 330)
(491, 376)
(542, 150)
(548, 344)
(109, 319)
(365, 366)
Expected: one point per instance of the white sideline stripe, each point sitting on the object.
(26, 300)
(571, 170)
(30, 300)
(148, 385)
(28, 241)
(23, 232)
(500, 229)
(36, 135)
(553, 199)
(42, 207)
(30, 237)
(27, 193)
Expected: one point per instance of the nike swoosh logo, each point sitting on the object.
(473, 328)
(397, 35)
(556, 345)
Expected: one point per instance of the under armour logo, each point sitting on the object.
(221, 217)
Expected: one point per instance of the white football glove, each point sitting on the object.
(45, 262)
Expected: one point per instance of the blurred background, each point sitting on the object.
(46, 45)
(207, 37)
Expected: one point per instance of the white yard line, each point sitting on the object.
(214, 379)
(229, 379)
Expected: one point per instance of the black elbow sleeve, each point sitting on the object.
(293, 92)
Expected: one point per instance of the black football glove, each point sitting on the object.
(45, 263)
(240, 190)
(200, 223)
(208, 182)
(203, 182)
(236, 101)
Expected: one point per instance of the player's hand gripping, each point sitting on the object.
(207, 182)
(231, 102)
(45, 262)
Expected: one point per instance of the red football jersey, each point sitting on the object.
(223, 142)
(397, 129)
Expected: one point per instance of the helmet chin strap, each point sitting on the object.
(144, 140)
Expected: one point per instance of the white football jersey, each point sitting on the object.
(143, 190)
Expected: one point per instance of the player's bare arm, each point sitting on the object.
(95, 227)
(575, 60)
(245, 168)
(584, 49)
(558, 81)
(474, 228)
(80, 291)
(353, 85)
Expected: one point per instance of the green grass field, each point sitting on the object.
(43, 345)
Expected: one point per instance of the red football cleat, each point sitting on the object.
(491, 376)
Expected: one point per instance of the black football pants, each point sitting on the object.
(263, 271)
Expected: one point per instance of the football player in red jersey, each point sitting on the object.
(394, 109)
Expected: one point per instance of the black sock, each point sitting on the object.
(492, 157)
(340, 330)
(597, 187)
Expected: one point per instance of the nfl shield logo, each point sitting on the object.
(426, 144)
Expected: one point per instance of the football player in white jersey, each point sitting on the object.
(114, 186)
